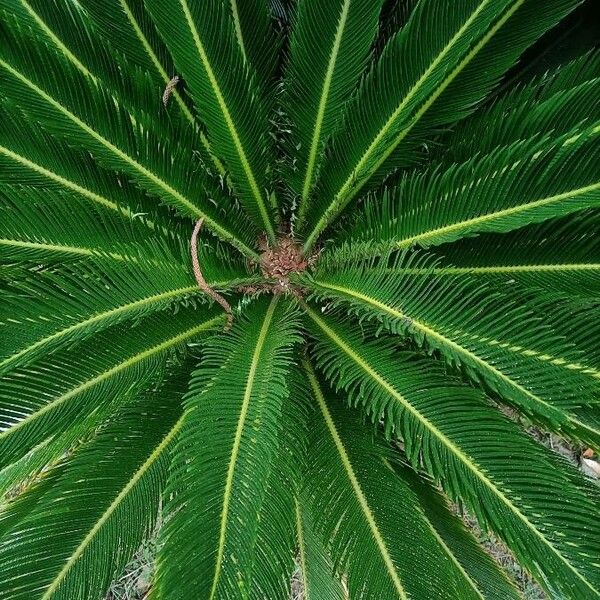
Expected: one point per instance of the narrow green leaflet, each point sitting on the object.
(55, 310)
(480, 571)
(43, 398)
(528, 256)
(224, 455)
(329, 47)
(87, 525)
(529, 496)
(416, 87)
(316, 570)
(201, 37)
(69, 104)
(257, 39)
(497, 338)
(502, 191)
(371, 519)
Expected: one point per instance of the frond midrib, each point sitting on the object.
(262, 336)
(429, 331)
(169, 190)
(356, 487)
(464, 459)
(350, 187)
(87, 540)
(258, 197)
(122, 366)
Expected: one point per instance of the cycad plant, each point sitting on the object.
(297, 276)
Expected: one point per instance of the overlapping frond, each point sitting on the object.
(562, 101)
(54, 309)
(528, 257)
(41, 399)
(258, 41)
(68, 104)
(224, 455)
(329, 47)
(474, 451)
(202, 40)
(496, 337)
(432, 73)
(84, 526)
(504, 190)
(324, 433)
(371, 517)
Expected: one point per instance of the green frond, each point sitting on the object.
(556, 103)
(527, 182)
(528, 257)
(418, 86)
(395, 297)
(497, 339)
(474, 451)
(256, 36)
(54, 310)
(46, 226)
(224, 454)
(480, 570)
(201, 37)
(36, 159)
(370, 517)
(317, 572)
(329, 47)
(53, 92)
(89, 522)
(44, 397)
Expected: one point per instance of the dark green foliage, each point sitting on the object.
(400, 204)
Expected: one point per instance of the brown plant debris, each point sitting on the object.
(281, 261)
(200, 278)
(170, 89)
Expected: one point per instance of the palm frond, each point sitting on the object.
(528, 257)
(328, 50)
(53, 92)
(201, 37)
(258, 41)
(496, 338)
(565, 99)
(417, 87)
(100, 508)
(317, 572)
(43, 398)
(527, 182)
(224, 455)
(65, 307)
(474, 451)
(371, 518)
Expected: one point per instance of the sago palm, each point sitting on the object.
(298, 277)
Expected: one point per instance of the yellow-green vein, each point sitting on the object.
(55, 40)
(114, 505)
(260, 342)
(105, 375)
(472, 223)
(455, 450)
(146, 173)
(98, 318)
(431, 333)
(352, 186)
(260, 201)
(316, 137)
(67, 183)
(356, 487)
(238, 28)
